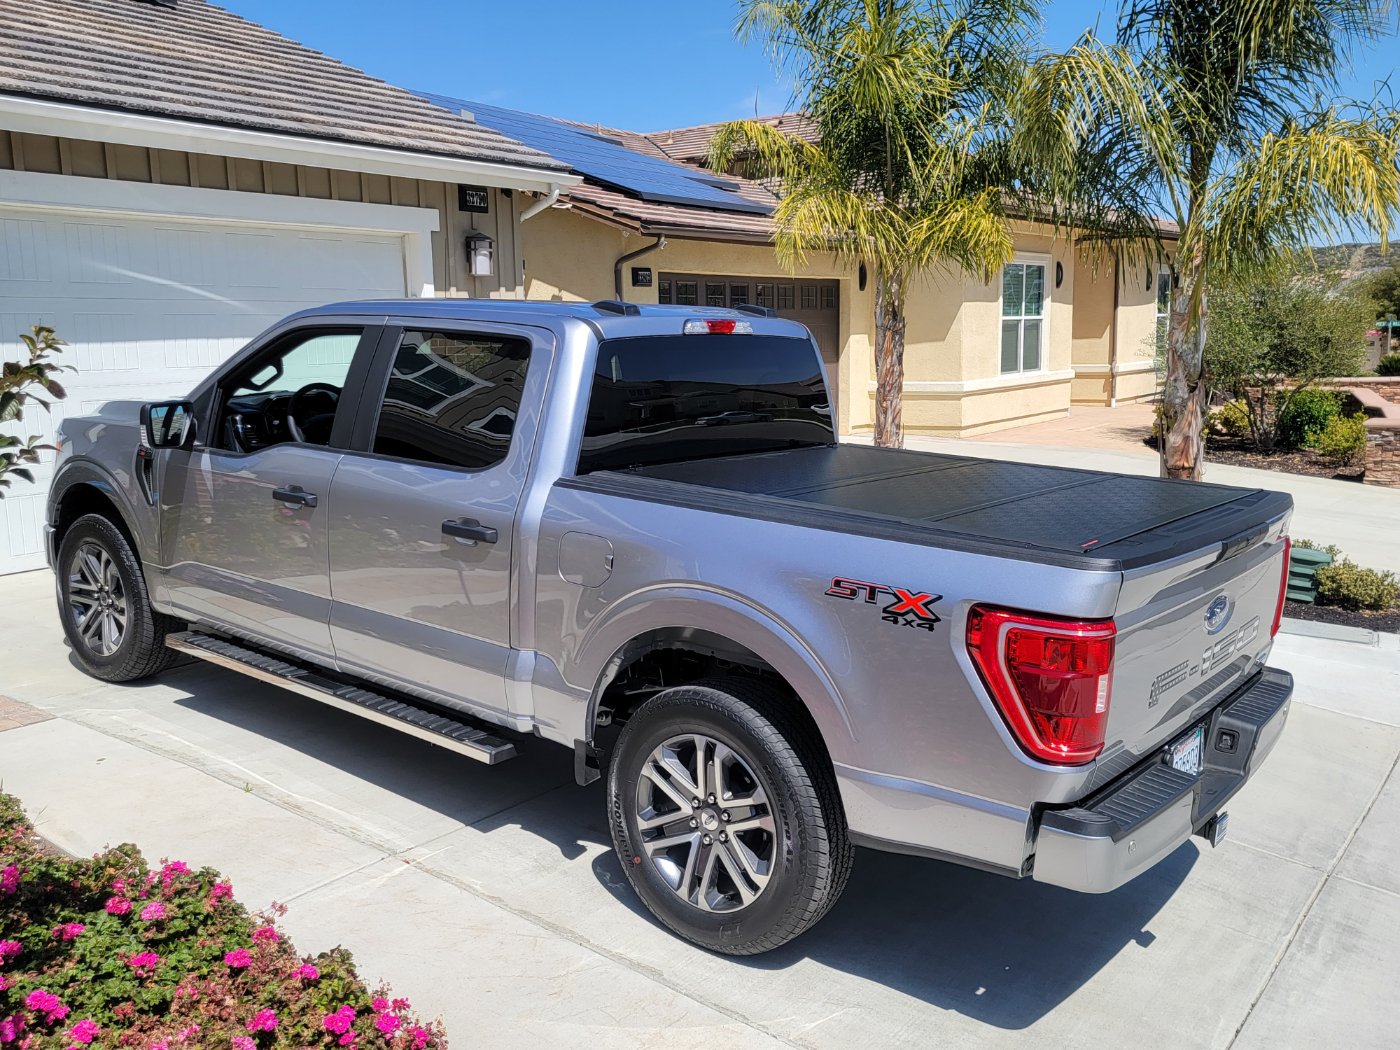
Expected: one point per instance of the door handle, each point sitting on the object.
(295, 494)
(469, 529)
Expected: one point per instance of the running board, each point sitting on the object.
(454, 732)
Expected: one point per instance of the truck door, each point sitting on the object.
(423, 512)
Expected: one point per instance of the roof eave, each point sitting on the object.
(123, 127)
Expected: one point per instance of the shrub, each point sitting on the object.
(1230, 419)
(1346, 584)
(1309, 545)
(107, 952)
(1342, 440)
(1307, 413)
(1389, 366)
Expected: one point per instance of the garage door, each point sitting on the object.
(815, 303)
(150, 306)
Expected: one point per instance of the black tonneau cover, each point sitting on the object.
(1058, 514)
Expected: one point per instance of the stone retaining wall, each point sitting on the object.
(1383, 452)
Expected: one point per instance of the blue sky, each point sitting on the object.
(641, 66)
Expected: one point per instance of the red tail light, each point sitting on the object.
(1051, 679)
(1282, 586)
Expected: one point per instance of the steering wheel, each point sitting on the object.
(320, 400)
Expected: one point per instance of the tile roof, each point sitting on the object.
(694, 143)
(197, 62)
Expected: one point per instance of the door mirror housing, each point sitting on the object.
(168, 424)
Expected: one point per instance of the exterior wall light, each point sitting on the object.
(481, 255)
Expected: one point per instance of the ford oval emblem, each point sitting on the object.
(1218, 614)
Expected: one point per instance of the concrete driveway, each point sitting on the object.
(492, 896)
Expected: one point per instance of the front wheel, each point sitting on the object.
(106, 612)
(725, 815)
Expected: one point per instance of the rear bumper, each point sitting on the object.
(1116, 834)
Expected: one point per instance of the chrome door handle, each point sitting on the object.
(469, 529)
(295, 494)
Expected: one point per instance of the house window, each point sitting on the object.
(1022, 316)
(738, 294)
(663, 291)
(714, 294)
(828, 297)
(765, 294)
(809, 297)
(785, 297)
(1164, 305)
(687, 293)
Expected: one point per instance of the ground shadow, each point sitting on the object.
(1000, 951)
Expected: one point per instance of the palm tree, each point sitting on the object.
(1210, 111)
(908, 172)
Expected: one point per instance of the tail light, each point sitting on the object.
(1282, 586)
(716, 326)
(1050, 678)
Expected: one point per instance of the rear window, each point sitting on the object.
(666, 399)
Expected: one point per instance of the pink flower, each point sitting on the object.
(388, 1024)
(9, 879)
(306, 972)
(8, 950)
(400, 1005)
(242, 1042)
(171, 869)
(265, 933)
(154, 910)
(263, 1021)
(144, 963)
(160, 1044)
(341, 1020)
(219, 891)
(347, 1039)
(10, 1028)
(379, 1003)
(84, 1031)
(68, 931)
(117, 906)
(186, 1033)
(420, 1037)
(119, 887)
(238, 958)
(4, 982)
(48, 1004)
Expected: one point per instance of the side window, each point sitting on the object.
(290, 393)
(452, 399)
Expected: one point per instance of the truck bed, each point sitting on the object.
(1060, 515)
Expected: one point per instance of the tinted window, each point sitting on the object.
(660, 399)
(452, 399)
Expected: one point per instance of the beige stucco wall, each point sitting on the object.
(1097, 327)
(43, 153)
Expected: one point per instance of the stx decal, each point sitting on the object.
(910, 608)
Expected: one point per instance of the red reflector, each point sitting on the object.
(720, 327)
(1282, 586)
(1051, 679)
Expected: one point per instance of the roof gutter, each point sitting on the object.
(547, 201)
(617, 266)
(65, 120)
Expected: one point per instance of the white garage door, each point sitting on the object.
(150, 306)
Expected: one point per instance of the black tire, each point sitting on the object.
(811, 853)
(140, 650)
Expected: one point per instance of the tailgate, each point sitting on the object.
(1189, 632)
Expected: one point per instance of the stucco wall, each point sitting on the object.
(42, 153)
(1095, 334)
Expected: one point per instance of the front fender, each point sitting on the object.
(119, 489)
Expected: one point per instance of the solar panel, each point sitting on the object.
(605, 160)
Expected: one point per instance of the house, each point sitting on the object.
(173, 179)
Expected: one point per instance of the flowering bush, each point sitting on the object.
(107, 952)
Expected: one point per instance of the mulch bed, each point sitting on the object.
(1236, 453)
(1388, 621)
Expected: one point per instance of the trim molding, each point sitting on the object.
(958, 388)
(43, 117)
(1103, 369)
(71, 193)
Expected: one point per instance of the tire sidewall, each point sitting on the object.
(647, 730)
(99, 531)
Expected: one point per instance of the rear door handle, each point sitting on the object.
(469, 529)
(295, 494)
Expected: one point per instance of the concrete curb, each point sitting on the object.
(1331, 631)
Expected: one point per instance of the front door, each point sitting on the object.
(422, 519)
(244, 513)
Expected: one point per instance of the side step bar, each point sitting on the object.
(455, 732)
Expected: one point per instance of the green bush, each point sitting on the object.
(1342, 440)
(1310, 545)
(1346, 584)
(1307, 413)
(1231, 419)
(1389, 366)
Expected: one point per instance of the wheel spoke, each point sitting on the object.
(752, 822)
(648, 823)
(111, 637)
(88, 564)
(665, 842)
(707, 880)
(82, 599)
(88, 627)
(658, 776)
(740, 873)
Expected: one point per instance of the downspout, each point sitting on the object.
(544, 202)
(617, 266)
(1113, 343)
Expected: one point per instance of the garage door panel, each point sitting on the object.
(149, 307)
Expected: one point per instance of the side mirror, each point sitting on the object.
(168, 424)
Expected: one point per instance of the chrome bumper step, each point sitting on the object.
(453, 731)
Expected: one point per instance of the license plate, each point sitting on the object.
(1186, 754)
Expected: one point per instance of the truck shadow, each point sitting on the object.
(999, 951)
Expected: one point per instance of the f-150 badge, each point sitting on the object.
(909, 608)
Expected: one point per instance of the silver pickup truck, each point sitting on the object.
(631, 531)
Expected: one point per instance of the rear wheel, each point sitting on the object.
(725, 815)
(106, 611)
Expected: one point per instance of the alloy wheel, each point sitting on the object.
(97, 599)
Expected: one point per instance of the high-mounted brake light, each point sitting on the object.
(1282, 586)
(1051, 679)
(717, 326)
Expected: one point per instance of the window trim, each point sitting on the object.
(1046, 262)
(1162, 318)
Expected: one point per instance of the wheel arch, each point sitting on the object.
(83, 489)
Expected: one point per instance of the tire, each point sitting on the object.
(770, 882)
(101, 586)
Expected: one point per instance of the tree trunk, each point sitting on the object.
(1187, 390)
(889, 359)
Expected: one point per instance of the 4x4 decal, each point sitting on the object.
(909, 608)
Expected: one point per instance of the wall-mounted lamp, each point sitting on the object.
(481, 255)
(1059, 274)
(861, 276)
